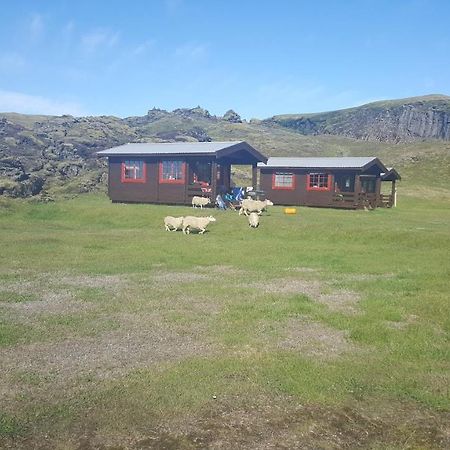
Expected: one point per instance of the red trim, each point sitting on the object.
(322, 189)
(165, 181)
(284, 188)
(133, 180)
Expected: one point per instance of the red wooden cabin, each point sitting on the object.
(338, 182)
(172, 173)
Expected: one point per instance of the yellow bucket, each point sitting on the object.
(290, 210)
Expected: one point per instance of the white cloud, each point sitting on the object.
(191, 51)
(36, 27)
(19, 102)
(98, 39)
(143, 48)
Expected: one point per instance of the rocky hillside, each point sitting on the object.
(45, 157)
(49, 155)
(403, 120)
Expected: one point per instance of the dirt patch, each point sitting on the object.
(366, 276)
(301, 269)
(221, 270)
(178, 277)
(48, 281)
(314, 339)
(283, 423)
(344, 301)
(51, 303)
(141, 341)
(311, 288)
(263, 423)
(340, 301)
(198, 305)
(98, 281)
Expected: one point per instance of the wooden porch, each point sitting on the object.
(361, 200)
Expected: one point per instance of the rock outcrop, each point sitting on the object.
(391, 121)
(232, 116)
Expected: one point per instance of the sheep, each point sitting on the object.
(197, 223)
(173, 223)
(253, 220)
(249, 205)
(200, 201)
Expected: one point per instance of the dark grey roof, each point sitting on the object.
(167, 148)
(390, 175)
(343, 162)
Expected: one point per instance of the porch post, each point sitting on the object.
(394, 194)
(213, 181)
(186, 182)
(378, 191)
(254, 176)
(358, 191)
(227, 176)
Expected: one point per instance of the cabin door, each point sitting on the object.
(344, 183)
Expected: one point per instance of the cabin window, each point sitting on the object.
(344, 183)
(318, 182)
(200, 172)
(283, 180)
(133, 171)
(172, 171)
(368, 184)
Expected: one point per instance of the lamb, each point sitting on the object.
(197, 223)
(253, 220)
(173, 223)
(200, 201)
(249, 205)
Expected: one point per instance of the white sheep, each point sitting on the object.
(249, 205)
(253, 220)
(197, 223)
(173, 223)
(200, 201)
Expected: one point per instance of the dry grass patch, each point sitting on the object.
(263, 422)
(141, 341)
(402, 324)
(221, 270)
(344, 301)
(97, 281)
(365, 276)
(178, 277)
(314, 339)
(193, 305)
(51, 303)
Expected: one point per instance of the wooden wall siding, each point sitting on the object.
(149, 192)
(132, 192)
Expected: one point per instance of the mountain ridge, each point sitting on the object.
(398, 120)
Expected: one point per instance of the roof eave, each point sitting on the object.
(373, 162)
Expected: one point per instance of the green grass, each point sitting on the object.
(111, 272)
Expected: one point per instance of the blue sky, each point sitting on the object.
(257, 57)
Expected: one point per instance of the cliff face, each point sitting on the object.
(391, 121)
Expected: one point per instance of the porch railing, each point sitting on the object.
(386, 201)
(345, 199)
(193, 190)
(362, 200)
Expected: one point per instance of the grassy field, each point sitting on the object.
(327, 329)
